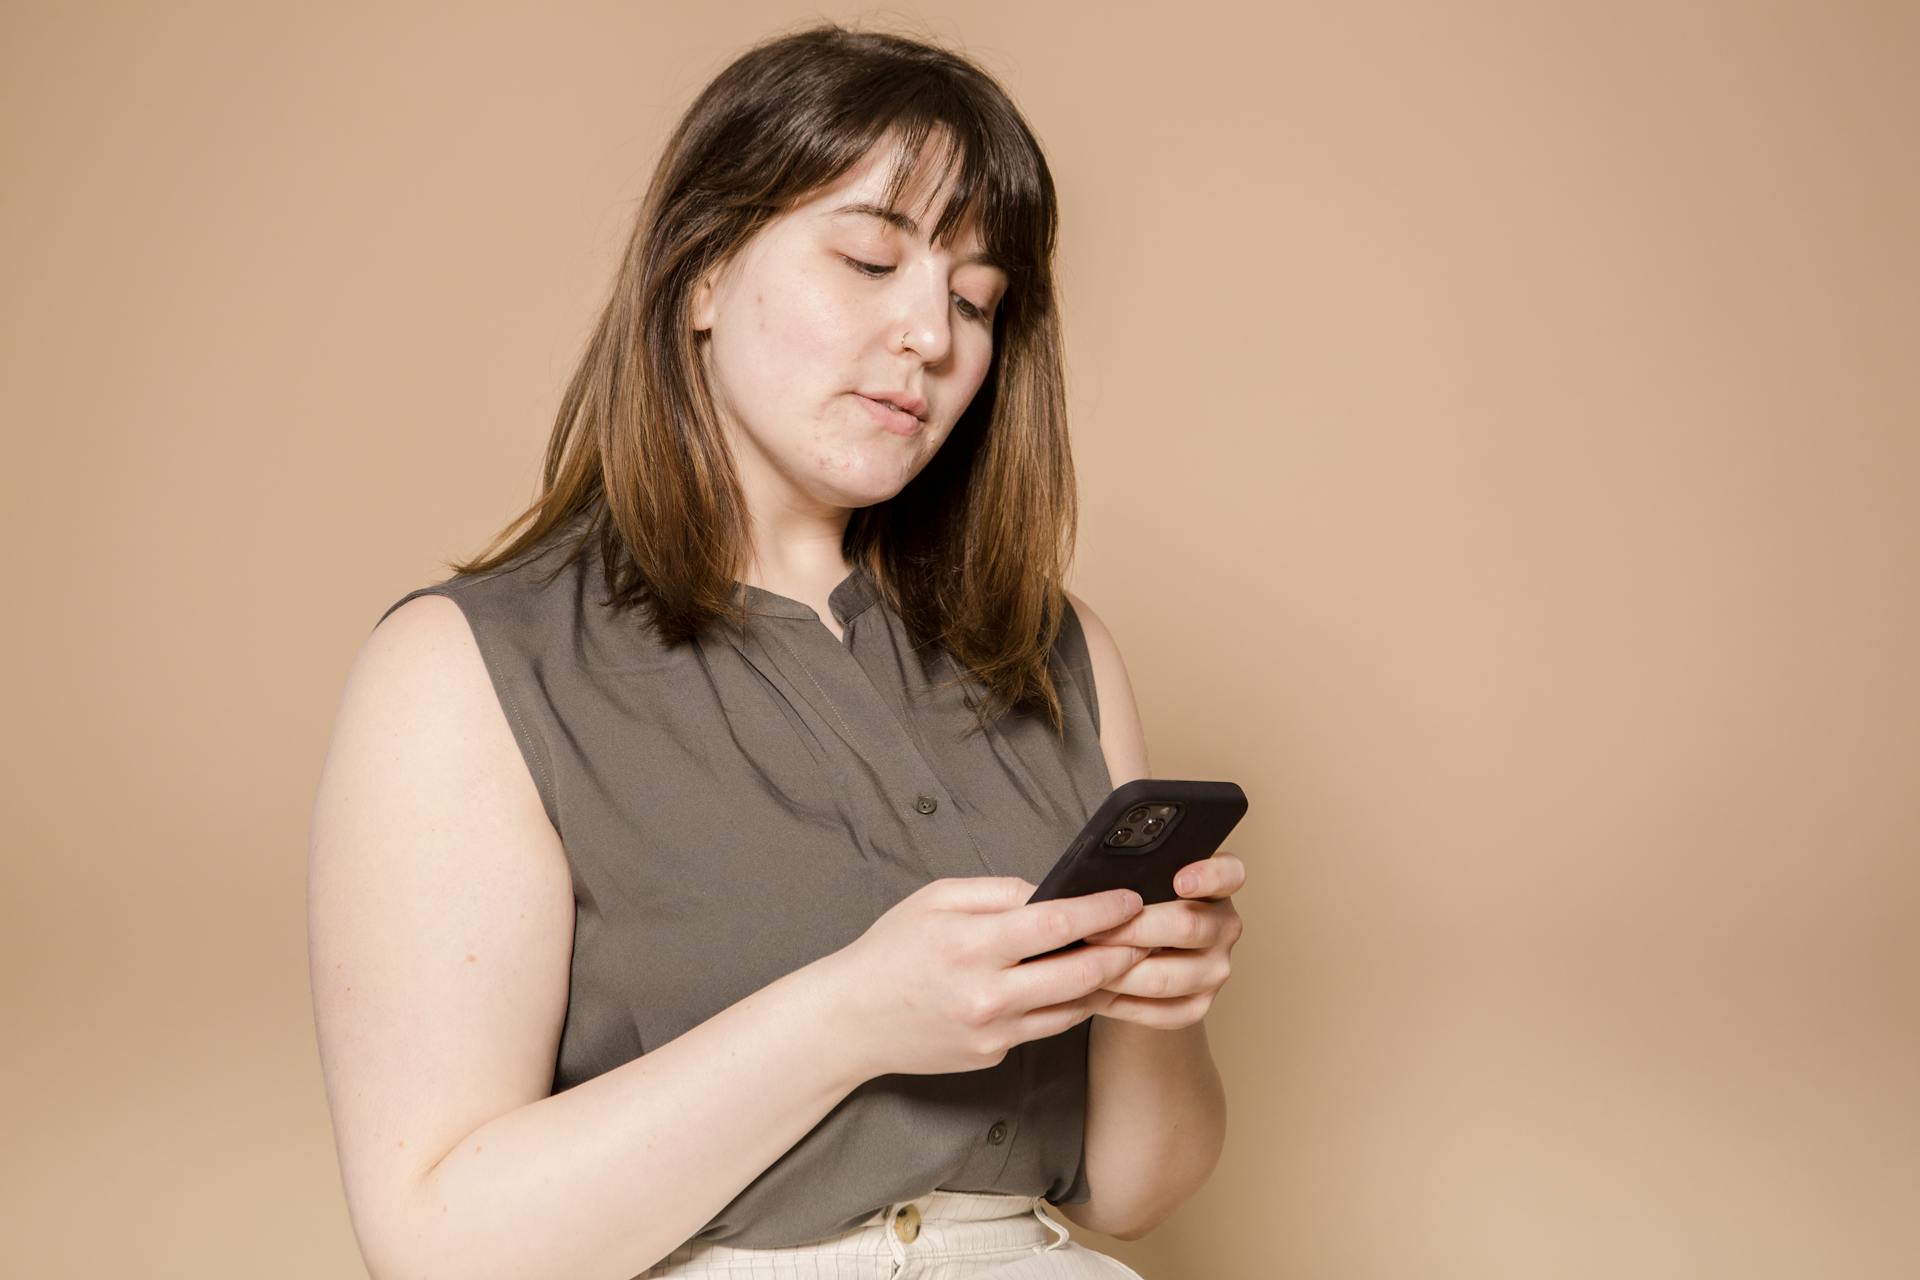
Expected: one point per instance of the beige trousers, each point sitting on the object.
(944, 1235)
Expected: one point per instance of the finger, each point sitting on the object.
(1051, 1020)
(1166, 1015)
(1039, 927)
(1149, 928)
(1181, 923)
(1170, 974)
(1192, 880)
(1220, 876)
(1063, 978)
(980, 893)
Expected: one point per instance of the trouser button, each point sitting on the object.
(906, 1223)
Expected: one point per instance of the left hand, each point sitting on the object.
(1190, 939)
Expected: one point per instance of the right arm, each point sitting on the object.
(440, 933)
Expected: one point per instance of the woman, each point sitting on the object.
(669, 864)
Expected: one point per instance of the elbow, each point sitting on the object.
(1144, 1219)
(385, 1260)
(1141, 1227)
(392, 1242)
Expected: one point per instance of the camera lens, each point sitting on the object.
(1151, 825)
(1138, 814)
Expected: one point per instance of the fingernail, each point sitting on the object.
(1134, 901)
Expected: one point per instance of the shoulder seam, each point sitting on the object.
(534, 746)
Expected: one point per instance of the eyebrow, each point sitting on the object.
(895, 218)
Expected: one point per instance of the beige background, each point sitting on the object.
(1499, 433)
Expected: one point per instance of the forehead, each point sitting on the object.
(858, 196)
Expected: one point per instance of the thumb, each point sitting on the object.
(983, 893)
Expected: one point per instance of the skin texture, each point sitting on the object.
(794, 330)
(1156, 1105)
(438, 1027)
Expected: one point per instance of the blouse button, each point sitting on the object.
(998, 1133)
(925, 804)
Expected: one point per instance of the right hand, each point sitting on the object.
(936, 984)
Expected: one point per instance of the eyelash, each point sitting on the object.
(868, 269)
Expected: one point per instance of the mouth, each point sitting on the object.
(898, 421)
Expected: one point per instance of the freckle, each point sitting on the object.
(403, 1142)
(469, 957)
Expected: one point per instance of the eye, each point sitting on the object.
(874, 271)
(867, 269)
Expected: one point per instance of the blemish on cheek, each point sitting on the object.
(469, 957)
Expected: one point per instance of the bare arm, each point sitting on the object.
(1156, 1104)
(440, 913)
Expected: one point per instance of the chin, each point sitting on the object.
(856, 478)
(860, 495)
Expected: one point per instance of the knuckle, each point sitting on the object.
(958, 948)
(1196, 929)
(988, 1049)
(1056, 925)
(979, 1008)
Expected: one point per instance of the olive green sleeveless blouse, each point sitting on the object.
(733, 809)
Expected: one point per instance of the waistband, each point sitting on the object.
(937, 1226)
(962, 1206)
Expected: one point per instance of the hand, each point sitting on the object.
(937, 983)
(1190, 939)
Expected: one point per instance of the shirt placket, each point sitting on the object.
(826, 673)
(829, 675)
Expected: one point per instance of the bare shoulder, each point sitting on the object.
(1123, 738)
(439, 911)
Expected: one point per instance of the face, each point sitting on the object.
(825, 304)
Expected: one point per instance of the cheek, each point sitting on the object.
(809, 312)
(781, 342)
(793, 333)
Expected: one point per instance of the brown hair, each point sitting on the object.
(972, 552)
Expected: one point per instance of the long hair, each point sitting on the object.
(972, 552)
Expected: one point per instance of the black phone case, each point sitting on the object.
(1208, 811)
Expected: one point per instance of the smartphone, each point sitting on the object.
(1142, 833)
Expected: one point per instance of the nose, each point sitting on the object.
(926, 315)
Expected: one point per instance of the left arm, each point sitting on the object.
(1156, 1106)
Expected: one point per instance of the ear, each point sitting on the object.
(700, 306)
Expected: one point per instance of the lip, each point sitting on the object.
(898, 421)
